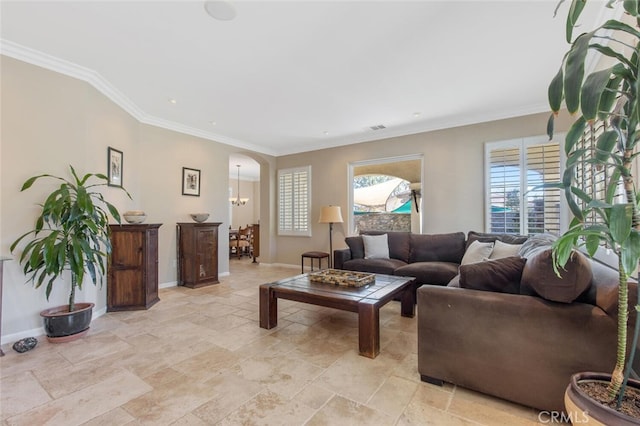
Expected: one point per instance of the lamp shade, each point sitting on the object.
(330, 214)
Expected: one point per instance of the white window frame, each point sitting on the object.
(305, 219)
(521, 144)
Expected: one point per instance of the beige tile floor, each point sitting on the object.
(198, 357)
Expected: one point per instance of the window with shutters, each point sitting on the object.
(592, 179)
(294, 201)
(515, 201)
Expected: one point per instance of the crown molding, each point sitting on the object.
(70, 69)
(41, 59)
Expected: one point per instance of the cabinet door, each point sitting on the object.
(127, 249)
(127, 278)
(126, 288)
(207, 259)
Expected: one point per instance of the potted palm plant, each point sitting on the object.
(612, 96)
(70, 238)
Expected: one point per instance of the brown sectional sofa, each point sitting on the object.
(511, 344)
(518, 347)
(430, 258)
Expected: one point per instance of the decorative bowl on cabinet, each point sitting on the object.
(134, 216)
(199, 217)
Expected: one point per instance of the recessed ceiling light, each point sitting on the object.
(325, 133)
(416, 114)
(213, 123)
(221, 10)
(172, 101)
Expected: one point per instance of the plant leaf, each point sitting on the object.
(572, 17)
(620, 222)
(592, 244)
(591, 92)
(605, 144)
(630, 252)
(574, 71)
(555, 91)
(574, 134)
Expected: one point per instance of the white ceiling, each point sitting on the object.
(293, 76)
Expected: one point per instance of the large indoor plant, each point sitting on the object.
(70, 239)
(610, 95)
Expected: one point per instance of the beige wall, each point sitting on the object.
(452, 184)
(50, 121)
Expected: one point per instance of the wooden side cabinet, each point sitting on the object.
(133, 270)
(197, 245)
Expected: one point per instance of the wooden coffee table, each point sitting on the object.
(366, 301)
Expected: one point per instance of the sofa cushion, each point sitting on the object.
(500, 275)
(376, 246)
(501, 250)
(439, 273)
(437, 247)
(477, 252)
(376, 266)
(356, 245)
(539, 278)
(398, 243)
(491, 237)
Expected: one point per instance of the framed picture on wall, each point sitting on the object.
(190, 181)
(114, 167)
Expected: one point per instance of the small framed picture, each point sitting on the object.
(114, 167)
(190, 181)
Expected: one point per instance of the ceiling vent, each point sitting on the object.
(378, 127)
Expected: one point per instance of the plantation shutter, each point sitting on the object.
(543, 204)
(591, 179)
(294, 192)
(504, 189)
(515, 202)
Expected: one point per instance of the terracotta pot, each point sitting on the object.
(60, 325)
(583, 409)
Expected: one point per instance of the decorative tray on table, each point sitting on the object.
(344, 278)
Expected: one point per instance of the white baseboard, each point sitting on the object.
(10, 338)
(39, 332)
(168, 284)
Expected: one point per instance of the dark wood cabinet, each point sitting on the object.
(197, 245)
(133, 270)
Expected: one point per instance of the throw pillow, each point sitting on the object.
(499, 275)
(356, 246)
(376, 246)
(539, 278)
(536, 243)
(489, 237)
(477, 252)
(501, 250)
(455, 282)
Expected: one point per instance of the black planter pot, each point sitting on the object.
(60, 325)
(582, 409)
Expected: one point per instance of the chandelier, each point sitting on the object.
(238, 201)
